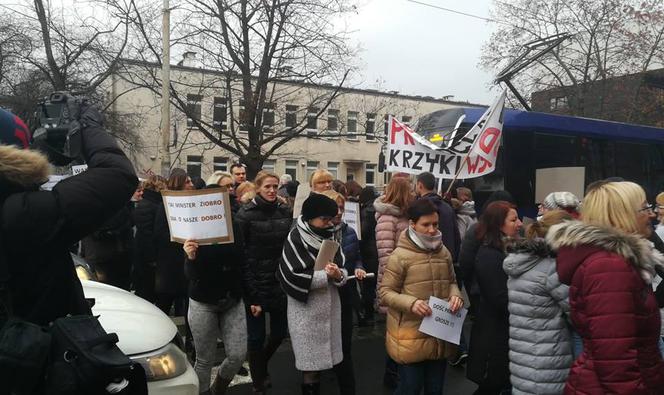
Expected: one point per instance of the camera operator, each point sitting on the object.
(37, 227)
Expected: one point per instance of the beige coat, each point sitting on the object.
(412, 274)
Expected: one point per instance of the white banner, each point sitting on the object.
(442, 323)
(411, 153)
(202, 215)
(352, 217)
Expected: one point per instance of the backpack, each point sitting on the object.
(73, 355)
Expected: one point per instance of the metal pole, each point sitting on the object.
(165, 91)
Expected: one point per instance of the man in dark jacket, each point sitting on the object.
(425, 188)
(39, 226)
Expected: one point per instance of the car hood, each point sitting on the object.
(140, 326)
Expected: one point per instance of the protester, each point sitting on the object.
(138, 194)
(239, 172)
(609, 265)
(369, 252)
(170, 281)
(540, 340)
(146, 248)
(283, 181)
(39, 226)
(321, 180)
(354, 189)
(291, 190)
(565, 201)
(198, 182)
(245, 192)
(221, 179)
(314, 308)
(419, 268)
(216, 309)
(339, 187)
(659, 229)
(264, 223)
(488, 363)
(465, 211)
(465, 195)
(425, 188)
(391, 221)
(350, 299)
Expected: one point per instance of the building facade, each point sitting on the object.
(344, 135)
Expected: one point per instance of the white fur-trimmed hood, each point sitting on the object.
(386, 208)
(22, 167)
(637, 250)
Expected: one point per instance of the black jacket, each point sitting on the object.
(39, 226)
(216, 273)
(145, 214)
(112, 242)
(659, 245)
(467, 255)
(368, 249)
(447, 223)
(169, 275)
(264, 228)
(488, 361)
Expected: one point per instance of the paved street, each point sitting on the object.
(369, 360)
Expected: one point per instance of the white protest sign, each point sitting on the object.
(78, 169)
(52, 180)
(352, 217)
(442, 323)
(202, 215)
(410, 153)
(303, 192)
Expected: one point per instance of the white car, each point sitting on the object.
(147, 336)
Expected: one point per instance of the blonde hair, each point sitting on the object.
(398, 193)
(155, 183)
(217, 176)
(320, 175)
(264, 175)
(614, 204)
(550, 218)
(334, 195)
(245, 191)
(660, 202)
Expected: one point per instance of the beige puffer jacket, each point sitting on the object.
(412, 274)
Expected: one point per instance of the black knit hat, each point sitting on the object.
(318, 205)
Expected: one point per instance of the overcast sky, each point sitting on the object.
(420, 50)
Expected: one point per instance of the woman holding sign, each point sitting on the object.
(314, 308)
(264, 222)
(419, 268)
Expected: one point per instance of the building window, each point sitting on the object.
(312, 121)
(193, 109)
(370, 127)
(333, 167)
(332, 121)
(268, 117)
(194, 165)
(291, 116)
(242, 115)
(219, 113)
(370, 175)
(352, 125)
(312, 166)
(220, 163)
(291, 168)
(386, 124)
(350, 177)
(406, 119)
(268, 165)
(558, 103)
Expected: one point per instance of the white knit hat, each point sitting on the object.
(561, 200)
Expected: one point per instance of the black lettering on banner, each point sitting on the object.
(444, 162)
(407, 155)
(393, 157)
(418, 156)
(432, 161)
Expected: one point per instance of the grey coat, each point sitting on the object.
(540, 341)
(315, 326)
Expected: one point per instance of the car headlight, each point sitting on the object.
(166, 363)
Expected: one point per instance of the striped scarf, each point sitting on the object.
(296, 267)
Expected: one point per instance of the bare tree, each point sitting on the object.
(610, 38)
(252, 46)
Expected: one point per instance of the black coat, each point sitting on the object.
(112, 242)
(145, 214)
(216, 273)
(264, 228)
(467, 255)
(169, 275)
(39, 226)
(488, 361)
(368, 249)
(447, 223)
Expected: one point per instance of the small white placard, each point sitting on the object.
(352, 217)
(303, 192)
(328, 250)
(442, 323)
(201, 215)
(78, 169)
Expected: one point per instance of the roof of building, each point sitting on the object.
(517, 121)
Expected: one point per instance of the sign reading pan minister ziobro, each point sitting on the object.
(472, 156)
